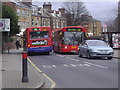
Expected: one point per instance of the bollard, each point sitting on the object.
(24, 67)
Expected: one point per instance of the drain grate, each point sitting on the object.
(2, 70)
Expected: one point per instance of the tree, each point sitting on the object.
(8, 12)
(74, 10)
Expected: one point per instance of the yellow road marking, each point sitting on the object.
(53, 83)
(34, 65)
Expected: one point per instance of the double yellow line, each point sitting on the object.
(53, 83)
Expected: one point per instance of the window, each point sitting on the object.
(18, 12)
(32, 21)
(72, 38)
(23, 12)
(38, 35)
(44, 22)
(96, 43)
(29, 13)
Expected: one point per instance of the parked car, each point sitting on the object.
(95, 48)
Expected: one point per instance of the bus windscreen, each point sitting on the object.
(72, 38)
(39, 34)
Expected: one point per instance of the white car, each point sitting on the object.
(95, 48)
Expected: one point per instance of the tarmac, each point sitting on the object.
(11, 72)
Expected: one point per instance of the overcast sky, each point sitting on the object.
(103, 10)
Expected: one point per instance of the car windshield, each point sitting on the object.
(39, 34)
(97, 43)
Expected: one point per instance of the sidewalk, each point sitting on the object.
(116, 53)
(12, 73)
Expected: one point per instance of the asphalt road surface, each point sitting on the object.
(70, 71)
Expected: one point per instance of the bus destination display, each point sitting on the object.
(74, 29)
(35, 29)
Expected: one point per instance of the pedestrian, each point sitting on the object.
(17, 43)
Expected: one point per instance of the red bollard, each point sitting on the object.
(24, 67)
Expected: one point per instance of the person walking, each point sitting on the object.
(17, 43)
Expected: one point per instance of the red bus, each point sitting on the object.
(68, 38)
(38, 39)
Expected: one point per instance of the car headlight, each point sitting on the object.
(111, 50)
(92, 50)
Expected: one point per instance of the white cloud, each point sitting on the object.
(102, 11)
(76, 0)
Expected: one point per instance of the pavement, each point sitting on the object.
(116, 53)
(11, 73)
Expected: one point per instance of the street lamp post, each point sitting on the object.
(93, 29)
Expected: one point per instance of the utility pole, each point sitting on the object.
(93, 27)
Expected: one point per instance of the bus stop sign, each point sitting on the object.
(4, 25)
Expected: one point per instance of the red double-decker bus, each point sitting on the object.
(68, 38)
(38, 39)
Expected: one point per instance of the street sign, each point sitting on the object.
(1, 24)
(4, 25)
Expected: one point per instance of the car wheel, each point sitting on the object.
(88, 55)
(47, 53)
(80, 54)
(109, 58)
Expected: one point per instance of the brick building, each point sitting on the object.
(36, 20)
(93, 26)
(23, 12)
(32, 15)
(57, 19)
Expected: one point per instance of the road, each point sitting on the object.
(70, 71)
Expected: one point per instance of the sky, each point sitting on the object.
(102, 10)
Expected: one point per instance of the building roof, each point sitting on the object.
(20, 4)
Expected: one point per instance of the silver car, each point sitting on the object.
(95, 48)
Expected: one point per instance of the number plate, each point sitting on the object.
(73, 51)
(104, 52)
(73, 47)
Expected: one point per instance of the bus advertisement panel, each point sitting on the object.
(68, 38)
(116, 40)
(38, 39)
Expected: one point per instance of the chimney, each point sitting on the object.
(28, 2)
(62, 10)
(47, 6)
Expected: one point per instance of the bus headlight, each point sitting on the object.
(65, 47)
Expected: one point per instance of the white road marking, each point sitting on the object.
(46, 66)
(60, 55)
(96, 65)
(68, 58)
(79, 65)
(86, 65)
(72, 59)
(73, 65)
(54, 65)
(65, 65)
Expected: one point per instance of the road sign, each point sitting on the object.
(1, 24)
(5, 25)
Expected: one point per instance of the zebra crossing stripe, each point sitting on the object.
(65, 65)
(54, 65)
(73, 65)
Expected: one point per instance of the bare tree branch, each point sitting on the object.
(75, 10)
